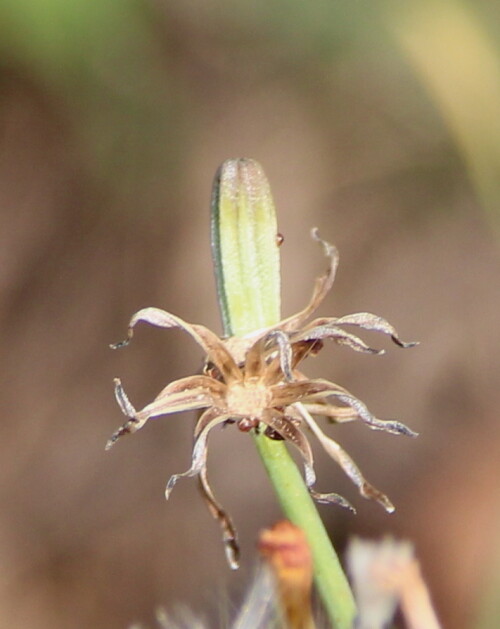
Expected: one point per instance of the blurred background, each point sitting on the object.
(378, 122)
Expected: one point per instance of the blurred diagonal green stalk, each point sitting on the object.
(247, 268)
(458, 62)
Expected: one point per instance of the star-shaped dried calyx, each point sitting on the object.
(254, 382)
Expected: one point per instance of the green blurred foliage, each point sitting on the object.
(458, 62)
(107, 62)
(101, 66)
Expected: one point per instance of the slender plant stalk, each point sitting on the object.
(247, 267)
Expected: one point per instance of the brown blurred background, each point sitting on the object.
(378, 122)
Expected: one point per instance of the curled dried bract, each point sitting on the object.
(254, 382)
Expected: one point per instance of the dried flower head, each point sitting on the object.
(254, 382)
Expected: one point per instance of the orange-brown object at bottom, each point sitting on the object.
(285, 549)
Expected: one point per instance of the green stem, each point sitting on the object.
(246, 261)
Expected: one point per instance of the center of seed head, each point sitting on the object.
(248, 398)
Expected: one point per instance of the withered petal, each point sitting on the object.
(206, 417)
(311, 389)
(387, 425)
(208, 420)
(229, 535)
(185, 394)
(198, 381)
(337, 414)
(328, 331)
(239, 346)
(303, 349)
(211, 344)
(122, 398)
(255, 359)
(273, 348)
(191, 393)
(284, 352)
(332, 498)
(338, 454)
(290, 392)
(321, 287)
(369, 321)
(291, 433)
(132, 424)
(167, 403)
